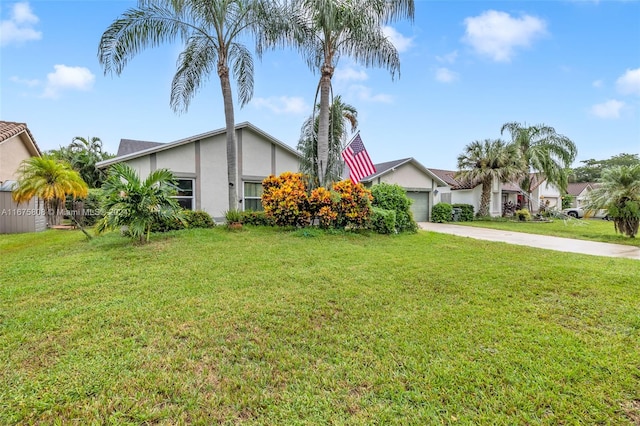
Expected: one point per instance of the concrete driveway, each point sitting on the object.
(533, 240)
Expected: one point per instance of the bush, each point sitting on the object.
(323, 206)
(354, 204)
(256, 218)
(285, 200)
(383, 221)
(198, 219)
(523, 215)
(466, 214)
(567, 201)
(442, 212)
(394, 197)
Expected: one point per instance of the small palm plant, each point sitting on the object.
(137, 204)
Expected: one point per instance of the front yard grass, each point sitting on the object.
(581, 229)
(270, 327)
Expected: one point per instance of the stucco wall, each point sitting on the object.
(407, 176)
(181, 159)
(12, 153)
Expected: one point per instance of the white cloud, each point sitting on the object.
(597, 84)
(19, 27)
(497, 34)
(629, 82)
(449, 58)
(282, 104)
(25, 81)
(365, 94)
(350, 74)
(445, 75)
(67, 78)
(608, 109)
(401, 42)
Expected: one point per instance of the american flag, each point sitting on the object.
(359, 162)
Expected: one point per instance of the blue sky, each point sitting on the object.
(467, 67)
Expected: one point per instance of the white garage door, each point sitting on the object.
(420, 205)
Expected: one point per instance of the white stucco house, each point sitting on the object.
(199, 163)
(16, 145)
(419, 182)
(580, 192)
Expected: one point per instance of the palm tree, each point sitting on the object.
(210, 31)
(340, 117)
(137, 204)
(50, 180)
(544, 151)
(483, 162)
(85, 153)
(324, 30)
(618, 191)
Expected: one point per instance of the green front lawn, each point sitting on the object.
(270, 327)
(582, 229)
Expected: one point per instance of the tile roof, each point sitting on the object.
(449, 177)
(9, 129)
(576, 188)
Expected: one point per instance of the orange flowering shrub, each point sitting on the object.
(322, 205)
(354, 207)
(284, 199)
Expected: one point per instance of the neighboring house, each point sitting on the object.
(16, 145)
(579, 192)
(200, 166)
(544, 194)
(417, 180)
(458, 192)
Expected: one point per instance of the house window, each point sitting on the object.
(445, 197)
(185, 194)
(252, 196)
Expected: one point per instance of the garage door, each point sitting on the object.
(420, 206)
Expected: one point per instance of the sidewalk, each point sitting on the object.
(538, 241)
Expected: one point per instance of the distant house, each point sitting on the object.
(419, 182)
(16, 145)
(200, 165)
(579, 192)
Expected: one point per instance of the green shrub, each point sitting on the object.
(567, 201)
(285, 199)
(394, 197)
(233, 216)
(441, 213)
(198, 219)
(523, 215)
(257, 218)
(466, 214)
(383, 221)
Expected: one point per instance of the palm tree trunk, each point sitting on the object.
(232, 151)
(485, 198)
(323, 123)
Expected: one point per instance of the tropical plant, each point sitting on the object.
(285, 199)
(83, 154)
(324, 30)
(591, 170)
(137, 205)
(211, 32)
(486, 161)
(618, 191)
(50, 180)
(544, 152)
(341, 115)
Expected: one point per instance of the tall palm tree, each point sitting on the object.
(85, 153)
(544, 151)
(137, 204)
(50, 180)
(341, 115)
(618, 191)
(324, 30)
(210, 31)
(486, 161)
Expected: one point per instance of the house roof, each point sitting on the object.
(448, 176)
(129, 146)
(389, 166)
(9, 129)
(153, 147)
(576, 188)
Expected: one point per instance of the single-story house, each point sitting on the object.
(16, 145)
(579, 192)
(200, 165)
(420, 183)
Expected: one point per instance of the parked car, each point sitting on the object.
(579, 213)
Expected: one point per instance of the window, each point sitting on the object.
(445, 197)
(252, 196)
(185, 194)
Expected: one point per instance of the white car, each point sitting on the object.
(579, 213)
